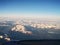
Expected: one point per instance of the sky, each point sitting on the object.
(33, 8)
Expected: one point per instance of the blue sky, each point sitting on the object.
(30, 8)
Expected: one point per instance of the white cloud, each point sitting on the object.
(21, 28)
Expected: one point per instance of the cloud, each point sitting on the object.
(21, 28)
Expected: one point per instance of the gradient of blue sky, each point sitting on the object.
(30, 7)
